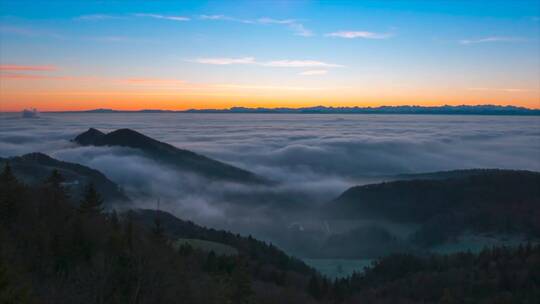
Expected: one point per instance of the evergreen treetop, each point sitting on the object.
(92, 203)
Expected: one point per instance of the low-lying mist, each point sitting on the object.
(312, 158)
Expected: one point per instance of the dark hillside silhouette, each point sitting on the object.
(493, 201)
(33, 168)
(50, 252)
(168, 154)
(264, 254)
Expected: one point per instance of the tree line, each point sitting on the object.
(57, 250)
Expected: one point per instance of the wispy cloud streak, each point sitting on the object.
(491, 39)
(298, 28)
(15, 67)
(285, 63)
(164, 17)
(300, 64)
(97, 17)
(100, 17)
(161, 83)
(509, 90)
(359, 34)
(25, 76)
(151, 81)
(226, 61)
(226, 18)
(266, 20)
(313, 72)
(29, 32)
(268, 87)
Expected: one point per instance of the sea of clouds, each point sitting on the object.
(312, 157)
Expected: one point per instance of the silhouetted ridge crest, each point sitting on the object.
(481, 201)
(133, 139)
(90, 137)
(35, 167)
(418, 198)
(168, 154)
(37, 156)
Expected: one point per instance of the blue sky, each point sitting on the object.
(181, 54)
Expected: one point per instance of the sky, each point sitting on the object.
(129, 55)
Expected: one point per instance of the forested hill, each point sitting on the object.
(168, 154)
(495, 275)
(259, 253)
(493, 193)
(54, 252)
(491, 201)
(454, 174)
(33, 168)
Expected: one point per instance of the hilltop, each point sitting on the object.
(168, 154)
(33, 168)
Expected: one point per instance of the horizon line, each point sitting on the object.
(321, 107)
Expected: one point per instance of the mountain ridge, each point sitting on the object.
(486, 109)
(34, 167)
(169, 154)
(482, 201)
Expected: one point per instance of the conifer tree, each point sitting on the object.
(113, 219)
(55, 180)
(92, 203)
(7, 177)
(314, 288)
(241, 284)
(158, 229)
(128, 231)
(9, 193)
(10, 291)
(211, 262)
(55, 190)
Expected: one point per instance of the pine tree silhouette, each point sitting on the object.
(7, 176)
(56, 192)
(9, 187)
(158, 228)
(113, 219)
(314, 288)
(241, 284)
(92, 203)
(55, 180)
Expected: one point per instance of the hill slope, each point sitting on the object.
(168, 154)
(34, 168)
(260, 252)
(51, 252)
(479, 200)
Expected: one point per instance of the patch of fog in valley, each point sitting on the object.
(313, 158)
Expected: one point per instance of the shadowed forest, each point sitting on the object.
(55, 250)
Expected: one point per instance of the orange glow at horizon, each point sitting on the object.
(20, 90)
(82, 101)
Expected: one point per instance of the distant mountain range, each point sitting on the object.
(446, 110)
(168, 154)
